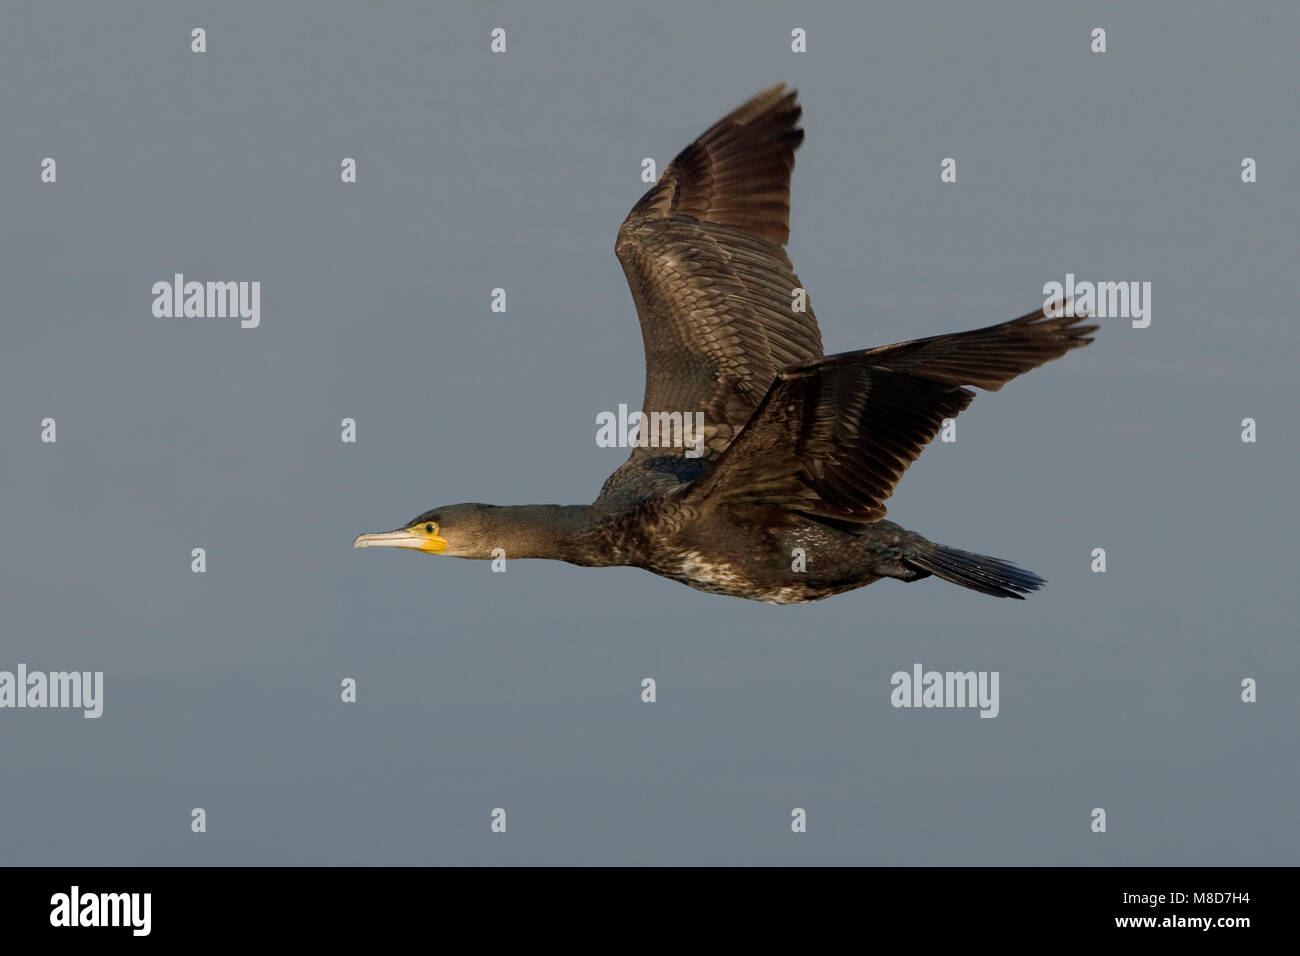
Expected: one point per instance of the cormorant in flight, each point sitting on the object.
(799, 450)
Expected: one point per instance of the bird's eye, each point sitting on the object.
(431, 528)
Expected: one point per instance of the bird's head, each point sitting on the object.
(463, 531)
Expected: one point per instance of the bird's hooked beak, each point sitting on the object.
(417, 538)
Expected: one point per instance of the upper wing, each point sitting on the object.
(834, 436)
(713, 287)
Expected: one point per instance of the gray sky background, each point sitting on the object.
(521, 690)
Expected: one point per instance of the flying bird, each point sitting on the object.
(781, 497)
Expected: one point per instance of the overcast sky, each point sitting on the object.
(522, 690)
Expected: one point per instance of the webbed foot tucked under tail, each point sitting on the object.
(979, 572)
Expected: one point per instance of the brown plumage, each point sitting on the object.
(834, 435)
(703, 256)
(800, 450)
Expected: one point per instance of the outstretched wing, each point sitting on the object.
(713, 287)
(834, 436)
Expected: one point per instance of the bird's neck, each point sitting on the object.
(558, 532)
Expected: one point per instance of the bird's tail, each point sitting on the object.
(978, 572)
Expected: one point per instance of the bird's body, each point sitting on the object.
(781, 498)
(758, 561)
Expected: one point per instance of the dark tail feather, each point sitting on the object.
(978, 572)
